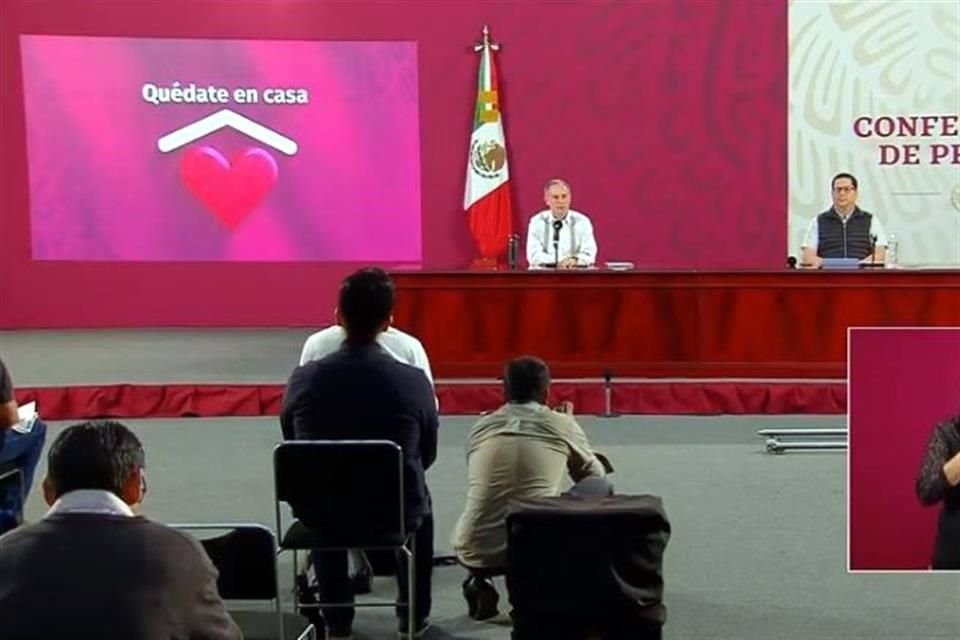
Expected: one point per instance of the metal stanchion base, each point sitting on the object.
(775, 446)
(837, 433)
(780, 441)
(608, 411)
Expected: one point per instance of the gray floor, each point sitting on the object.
(759, 542)
(52, 358)
(151, 356)
(758, 550)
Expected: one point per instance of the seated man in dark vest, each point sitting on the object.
(844, 230)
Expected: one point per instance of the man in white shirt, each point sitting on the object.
(559, 236)
(399, 345)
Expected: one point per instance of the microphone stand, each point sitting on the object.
(557, 225)
(608, 411)
(873, 252)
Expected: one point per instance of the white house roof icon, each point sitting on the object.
(226, 118)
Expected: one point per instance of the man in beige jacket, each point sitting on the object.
(524, 449)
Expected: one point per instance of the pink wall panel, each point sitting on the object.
(669, 119)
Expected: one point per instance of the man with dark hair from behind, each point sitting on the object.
(524, 449)
(405, 348)
(362, 393)
(93, 568)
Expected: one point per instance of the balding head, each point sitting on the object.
(556, 194)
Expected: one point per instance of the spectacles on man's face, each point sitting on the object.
(844, 189)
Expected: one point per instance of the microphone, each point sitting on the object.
(873, 249)
(791, 262)
(557, 225)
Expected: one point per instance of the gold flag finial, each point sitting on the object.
(486, 44)
(487, 94)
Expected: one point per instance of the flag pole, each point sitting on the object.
(487, 195)
(484, 48)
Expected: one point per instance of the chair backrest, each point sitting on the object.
(246, 558)
(11, 475)
(343, 488)
(569, 554)
(9, 470)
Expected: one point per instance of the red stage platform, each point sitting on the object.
(251, 400)
(684, 324)
(700, 342)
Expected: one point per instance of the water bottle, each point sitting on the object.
(513, 252)
(892, 257)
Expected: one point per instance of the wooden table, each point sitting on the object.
(690, 324)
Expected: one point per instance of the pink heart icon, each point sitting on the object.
(230, 190)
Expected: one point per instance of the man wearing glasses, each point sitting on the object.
(845, 230)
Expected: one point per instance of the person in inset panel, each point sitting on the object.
(939, 481)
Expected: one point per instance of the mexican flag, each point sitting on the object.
(486, 198)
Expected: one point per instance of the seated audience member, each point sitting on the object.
(844, 230)
(93, 568)
(519, 451)
(22, 450)
(362, 393)
(939, 480)
(397, 344)
(559, 236)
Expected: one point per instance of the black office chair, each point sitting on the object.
(351, 491)
(11, 475)
(586, 567)
(245, 555)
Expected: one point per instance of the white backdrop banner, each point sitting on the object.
(875, 91)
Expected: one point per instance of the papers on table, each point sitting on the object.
(28, 417)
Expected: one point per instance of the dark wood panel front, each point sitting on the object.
(663, 324)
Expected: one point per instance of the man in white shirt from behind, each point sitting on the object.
(575, 244)
(401, 346)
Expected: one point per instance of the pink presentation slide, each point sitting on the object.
(143, 149)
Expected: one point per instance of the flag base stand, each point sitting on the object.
(484, 264)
